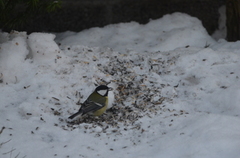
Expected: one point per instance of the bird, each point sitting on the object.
(96, 103)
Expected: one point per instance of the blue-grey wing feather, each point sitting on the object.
(90, 106)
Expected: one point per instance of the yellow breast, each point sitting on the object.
(102, 110)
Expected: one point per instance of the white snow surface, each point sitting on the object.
(183, 85)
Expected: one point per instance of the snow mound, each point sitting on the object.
(168, 33)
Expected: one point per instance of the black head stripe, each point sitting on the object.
(102, 87)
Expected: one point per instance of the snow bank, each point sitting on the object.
(168, 33)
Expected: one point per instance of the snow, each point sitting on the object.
(157, 35)
(222, 29)
(176, 91)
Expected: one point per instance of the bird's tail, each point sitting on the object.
(76, 114)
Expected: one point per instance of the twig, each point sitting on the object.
(2, 130)
(16, 79)
(9, 152)
(1, 78)
(17, 155)
(55, 98)
(5, 142)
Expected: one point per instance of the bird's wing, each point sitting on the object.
(91, 106)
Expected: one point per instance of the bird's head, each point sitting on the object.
(103, 90)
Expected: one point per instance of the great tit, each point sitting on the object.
(96, 103)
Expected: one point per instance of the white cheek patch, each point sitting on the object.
(102, 92)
